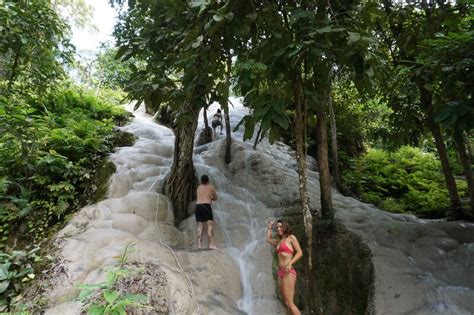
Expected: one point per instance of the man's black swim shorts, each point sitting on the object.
(216, 123)
(203, 212)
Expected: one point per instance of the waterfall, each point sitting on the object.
(239, 217)
(425, 266)
(240, 222)
(421, 266)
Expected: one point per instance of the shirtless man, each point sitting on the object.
(206, 194)
(216, 122)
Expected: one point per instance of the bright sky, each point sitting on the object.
(103, 19)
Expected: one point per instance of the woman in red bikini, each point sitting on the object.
(289, 251)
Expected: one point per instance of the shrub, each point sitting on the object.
(49, 148)
(408, 180)
(16, 269)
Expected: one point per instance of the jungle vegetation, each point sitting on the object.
(379, 92)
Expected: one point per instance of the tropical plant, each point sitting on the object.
(16, 270)
(408, 181)
(48, 150)
(104, 299)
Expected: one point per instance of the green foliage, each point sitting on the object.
(111, 72)
(33, 46)
(449, 57)
(407, 180)
(48, 147)
(16, 269)
(359, 119)
(104, 298)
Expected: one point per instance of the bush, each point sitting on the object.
(16, 269)
(408, 180)
(49, 148)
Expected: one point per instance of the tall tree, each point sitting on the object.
(286, 73)
(157, 34)
(181, 44)
(33, 46)
(221, 23)
(334, 149)
(409, 24)
(448, 57)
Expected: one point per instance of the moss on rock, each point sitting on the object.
(105, 169)
(123, 139)
(343, 270)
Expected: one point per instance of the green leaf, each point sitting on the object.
(84, 294)
(111, 277)
(110, 296)
(273, 135)
(197, 42)
(281, 120)
(24, 272)
(279, 52)
(4, 271)
(277, 35)
(443, 115)
(123, 52)
(262, 110)
(249, 129)
(4, 285)
(217, 18)
(197, 3)
(266, 122)
(96, 310)
(353, 37)
(137, 298)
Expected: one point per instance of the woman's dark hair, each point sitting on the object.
(286, 227)
(204, 179)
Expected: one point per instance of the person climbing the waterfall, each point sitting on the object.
(206, 194)
(289, 252)
(216, 122)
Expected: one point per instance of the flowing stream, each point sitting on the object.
(241, 226)
(421, 266)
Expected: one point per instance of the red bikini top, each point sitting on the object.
(284, 248)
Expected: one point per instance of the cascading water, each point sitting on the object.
(240, 226)
(239, 216)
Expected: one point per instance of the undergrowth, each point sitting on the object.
(406, 181)
(50, 148)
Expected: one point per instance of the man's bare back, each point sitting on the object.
(206, 193)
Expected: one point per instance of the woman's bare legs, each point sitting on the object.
(287, 289)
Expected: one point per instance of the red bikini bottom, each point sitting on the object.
(281, 272)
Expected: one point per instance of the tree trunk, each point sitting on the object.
(323, 164)
(228, 136)
(181, 184)
(335, 158)
(207, 130)
(426, 102)
(15, 65)
(257, 137)
(466, 164)
(301, 162)
(469, 147)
